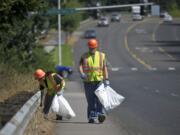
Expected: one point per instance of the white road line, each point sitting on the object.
(153, 69)
(171, 68)
(174, 95)
(115, 69)
(134, 69)
(157, 91)
(111, 67)
(140, 31)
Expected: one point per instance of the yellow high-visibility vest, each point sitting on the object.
(49, 86)
(93, 67)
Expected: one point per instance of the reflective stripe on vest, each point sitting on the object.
(93, 68)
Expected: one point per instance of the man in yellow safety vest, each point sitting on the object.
(54, 84)
(93, 71)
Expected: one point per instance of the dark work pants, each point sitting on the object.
(47, 103)
(94, 106)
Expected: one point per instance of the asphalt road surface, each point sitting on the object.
(143, 62)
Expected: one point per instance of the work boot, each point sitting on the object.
(91, 121)
(101, 118)
(58, 117)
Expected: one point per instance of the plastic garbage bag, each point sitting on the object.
(108, 97)
(65, 109)
(55, 105)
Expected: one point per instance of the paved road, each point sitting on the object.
(144, 66)
(79, 125)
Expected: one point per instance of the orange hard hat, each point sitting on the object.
(92, 43)
(39, 73)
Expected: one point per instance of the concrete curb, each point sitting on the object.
(20, 120)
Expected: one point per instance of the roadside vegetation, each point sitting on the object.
(175, 10)
(172, 6)
(21, 30)
(66, 55)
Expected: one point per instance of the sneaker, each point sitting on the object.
(45, 116)
(91, 121)
(101, 118)
(58, 117)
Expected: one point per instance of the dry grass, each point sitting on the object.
(13, 83)
(39, 126)
(71, 39)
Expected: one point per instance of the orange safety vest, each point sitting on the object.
(93, 67)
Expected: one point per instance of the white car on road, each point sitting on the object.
(137, 17)
(103, 21)
(168, 18)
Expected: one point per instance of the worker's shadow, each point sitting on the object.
(67, 121)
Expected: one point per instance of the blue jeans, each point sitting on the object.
(94, 107)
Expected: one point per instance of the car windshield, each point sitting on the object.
(103, 19)
(90, 31)
(114, 14)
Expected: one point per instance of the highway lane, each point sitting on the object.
(170, 43)
(151, 105)
(153, 43)
(152, 96)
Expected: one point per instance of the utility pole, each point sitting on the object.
(59, 34)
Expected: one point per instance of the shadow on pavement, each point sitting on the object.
(66, 121)
(172, 24)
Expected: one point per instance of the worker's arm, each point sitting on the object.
(61, 85)
(42, 93)
(80, 65)
(82, 74)
(53, 82)
(105, 73)
(57, 81)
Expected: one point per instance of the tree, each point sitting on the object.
(18, 30)
(71, 21)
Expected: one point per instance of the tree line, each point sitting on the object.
(22, 22)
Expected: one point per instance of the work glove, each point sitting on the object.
(106, 82)
(83, 76)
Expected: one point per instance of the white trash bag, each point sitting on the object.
(55, 105)
(61, 107)
(65, 108)
(108, 97)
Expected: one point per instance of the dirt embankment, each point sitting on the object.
(16, 89)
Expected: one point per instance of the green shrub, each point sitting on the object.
(66, 55)
(43, 60)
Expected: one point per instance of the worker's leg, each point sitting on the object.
(89, 92)
(99, 107)
(47, 103)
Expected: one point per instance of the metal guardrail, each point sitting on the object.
(18, 123)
